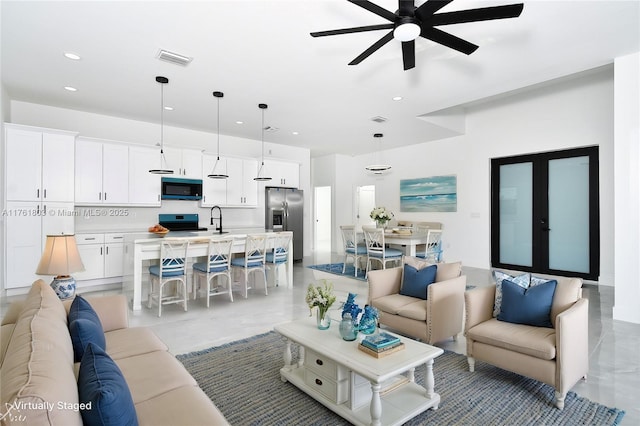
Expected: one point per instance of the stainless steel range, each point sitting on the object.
(181, 222)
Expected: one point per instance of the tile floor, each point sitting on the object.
(614, 374)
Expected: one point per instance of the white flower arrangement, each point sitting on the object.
(381, 215)
(321, 296)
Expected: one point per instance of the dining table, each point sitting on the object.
(143, 248)
(406, 241)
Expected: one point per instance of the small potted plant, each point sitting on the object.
(322, 297)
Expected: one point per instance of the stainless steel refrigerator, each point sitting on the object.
(284, 208)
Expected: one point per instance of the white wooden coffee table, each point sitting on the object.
(359, 387)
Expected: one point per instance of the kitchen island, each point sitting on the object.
(141, 247)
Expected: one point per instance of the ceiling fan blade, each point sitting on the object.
(448, 40)
(375, 46)
(430, 7)
(406, 7)
(475, 15)
(352, 30)
(374, 8)
(409, 54)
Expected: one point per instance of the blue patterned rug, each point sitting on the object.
(336, 269)
(243, 379)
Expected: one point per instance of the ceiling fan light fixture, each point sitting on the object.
(407, 30)
(163, 170)
(260, 176)
(214, 174)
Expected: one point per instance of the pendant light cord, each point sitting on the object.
(218, 158)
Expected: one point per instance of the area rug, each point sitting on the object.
(242, 378)
(336, 269)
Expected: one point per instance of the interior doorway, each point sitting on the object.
(322, 219)
(365, 202)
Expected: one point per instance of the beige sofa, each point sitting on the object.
(558, 356)
(432, 320)
(39, 377)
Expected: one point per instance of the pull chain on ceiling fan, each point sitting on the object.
(409, 22)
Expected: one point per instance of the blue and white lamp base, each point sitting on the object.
(64, 286)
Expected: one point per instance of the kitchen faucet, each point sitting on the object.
(219, 227)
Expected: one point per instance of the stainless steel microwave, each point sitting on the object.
(181, 189)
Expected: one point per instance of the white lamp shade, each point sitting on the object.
(60, 256)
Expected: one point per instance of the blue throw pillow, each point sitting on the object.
(101, 384)
(84, 327)
(415, 282)
(531, 306)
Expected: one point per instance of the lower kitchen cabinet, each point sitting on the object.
(101, 254)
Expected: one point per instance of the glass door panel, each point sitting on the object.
(516, 202)
(569, 214)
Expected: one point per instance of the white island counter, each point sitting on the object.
(140, 247)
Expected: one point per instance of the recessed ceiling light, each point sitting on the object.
(239, 122)
(295, 133)
(70, 88)
(72, 56)
(397, 98)
(168, 108)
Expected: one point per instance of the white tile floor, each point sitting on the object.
(614, 374)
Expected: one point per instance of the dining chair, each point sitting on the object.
(433, 247)
(351, 248)
(253, 260)
(217, 266)
(376, 249)
(278, 254)
(171, 268)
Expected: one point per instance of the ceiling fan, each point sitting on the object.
(409, 22)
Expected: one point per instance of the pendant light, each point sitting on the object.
(262, 178)
(214, 174)
(163, 170)
(379, 168)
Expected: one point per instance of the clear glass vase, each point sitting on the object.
(323, 319)
(348, 328)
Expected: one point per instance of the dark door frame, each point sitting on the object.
(540, 234)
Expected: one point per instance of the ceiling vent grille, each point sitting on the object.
(379, 119)
(174, 58)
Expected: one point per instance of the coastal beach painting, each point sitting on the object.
(430, 194)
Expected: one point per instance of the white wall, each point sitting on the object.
(139, 132)
(627, 188)
(573, 113)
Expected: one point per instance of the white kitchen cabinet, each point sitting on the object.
(102, 173)
(144, 187)
(27, 225)
(186, 163)
(242, 190)
(214, 191)
(283, 173)
(39, 164)
(101, 254)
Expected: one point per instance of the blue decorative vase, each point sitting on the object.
(369, 320)
(64, 286)
(348, 328)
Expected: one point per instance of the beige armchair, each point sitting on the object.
(432, 320)
(556, 356)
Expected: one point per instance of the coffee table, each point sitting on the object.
(359, 387)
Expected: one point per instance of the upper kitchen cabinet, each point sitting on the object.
(242, 190)
(214, 191)
(101, 173)
(144, 187)
(283, 173)
(186, 163)
(39, 164)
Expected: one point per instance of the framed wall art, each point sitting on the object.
(429, 194)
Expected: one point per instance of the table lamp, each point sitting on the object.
(61, 258)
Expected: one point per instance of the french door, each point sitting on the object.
(545, 213)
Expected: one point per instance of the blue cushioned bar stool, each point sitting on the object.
(217, 266)
(377, 250)
(278, 254)
(253, 260)
(172, 268)
(352, 250)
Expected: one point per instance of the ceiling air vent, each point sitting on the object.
(379, 119)
(174, 58)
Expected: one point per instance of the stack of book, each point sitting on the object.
(381, 344)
